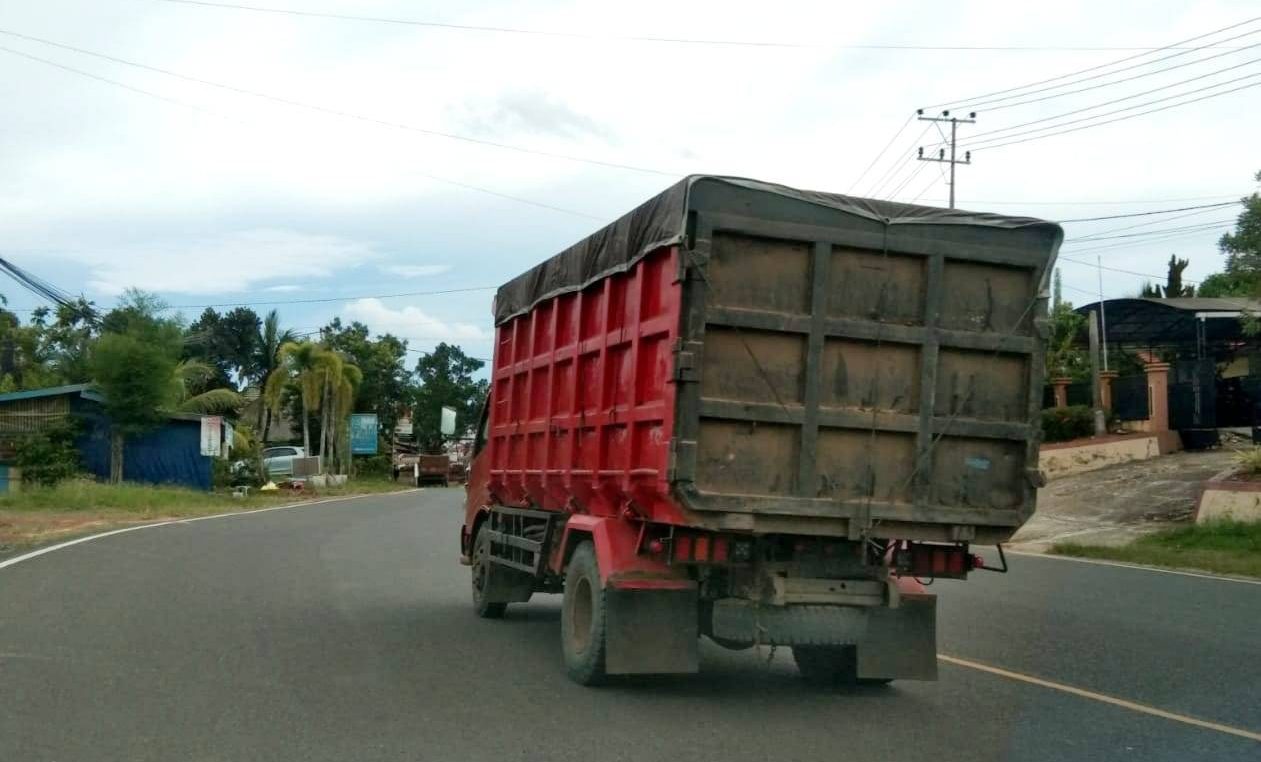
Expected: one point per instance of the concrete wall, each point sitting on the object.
(1078, 456)
(1224, 499)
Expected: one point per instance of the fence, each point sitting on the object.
(1130, 400)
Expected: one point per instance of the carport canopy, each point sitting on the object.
(1152, 322)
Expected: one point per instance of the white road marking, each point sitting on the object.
(1103, 698)
(37, 553)
(1139, 567)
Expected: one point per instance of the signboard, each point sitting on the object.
(447, 426)
(211, 434)
(363, 434)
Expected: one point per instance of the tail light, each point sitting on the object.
(918, 559)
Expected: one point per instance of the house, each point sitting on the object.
(169, 454)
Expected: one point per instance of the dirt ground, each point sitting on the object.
(1116, 504)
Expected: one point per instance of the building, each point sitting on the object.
(1189, 362)
(169, 454)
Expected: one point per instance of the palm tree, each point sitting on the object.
(329, 372)
(343, 403)
(266, 361)
(190, 374)
(298, 362)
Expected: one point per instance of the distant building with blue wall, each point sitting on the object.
(168, 454)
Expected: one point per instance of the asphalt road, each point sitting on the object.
(343, 632)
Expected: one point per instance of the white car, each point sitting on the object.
(278, 461)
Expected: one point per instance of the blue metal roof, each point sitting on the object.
(82, 390)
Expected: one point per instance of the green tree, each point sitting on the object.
(266, 361)
(387, 385)
(1064, 357)
(299, 364)
(133, 364)
(227, 343)
(191, 376)
(1242, 246)
(446, 380)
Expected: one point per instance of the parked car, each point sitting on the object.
(278, 461)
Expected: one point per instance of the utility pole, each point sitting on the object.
(941, 153)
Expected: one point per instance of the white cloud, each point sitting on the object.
(409, 322)
(284, 288)
(416, 271)
(232, 262)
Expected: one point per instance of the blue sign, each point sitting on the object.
(363, 434)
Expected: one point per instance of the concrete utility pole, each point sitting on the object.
(1096, 396)
(941, 153)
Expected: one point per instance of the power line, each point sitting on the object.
(1145, 242)
(909, 178)
(901, 129)
(1144, 214)
(1204, 225)
(1096, 266)
(1118, 202)
(1173, 46)
(977, 135)
(638, 38)
(986, 104)
(1145, 223)
(895, 167)
(158, 96)
(339, 113)
(1193, 91)
(1118, 119)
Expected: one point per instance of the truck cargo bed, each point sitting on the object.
(738, 355)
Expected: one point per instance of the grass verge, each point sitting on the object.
(1227, 547)
(38, 515)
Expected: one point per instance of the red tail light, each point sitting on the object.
(917, 559)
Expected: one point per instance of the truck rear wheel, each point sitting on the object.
(831, 666)
(481, 576)
(582, 618)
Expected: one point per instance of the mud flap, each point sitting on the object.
(650, 631)
(505, 585)
(901, 643)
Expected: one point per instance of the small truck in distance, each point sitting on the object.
(760, 415)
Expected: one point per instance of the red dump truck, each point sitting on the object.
(761, 415)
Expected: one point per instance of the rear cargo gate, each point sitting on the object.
(875, 388)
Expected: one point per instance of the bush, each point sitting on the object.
(1249, 461)
(373, 465)
(1060, 424)
(49, 456)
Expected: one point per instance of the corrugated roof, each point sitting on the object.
(83, 390)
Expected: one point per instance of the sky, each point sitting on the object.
(344, 183)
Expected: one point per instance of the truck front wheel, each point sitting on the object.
(582, 618)
(831, 666)
(481, 577)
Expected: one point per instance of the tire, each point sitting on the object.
(582, 618)
(481, 568)
(832, 666)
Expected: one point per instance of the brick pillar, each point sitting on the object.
(1105, 388)
(1061, 390)
(1158, 395)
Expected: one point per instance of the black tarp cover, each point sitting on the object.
(661, 220)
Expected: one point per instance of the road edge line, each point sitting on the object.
(1139, 567)
(68, 543)
(1104, 698)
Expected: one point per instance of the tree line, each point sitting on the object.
(149, 363)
